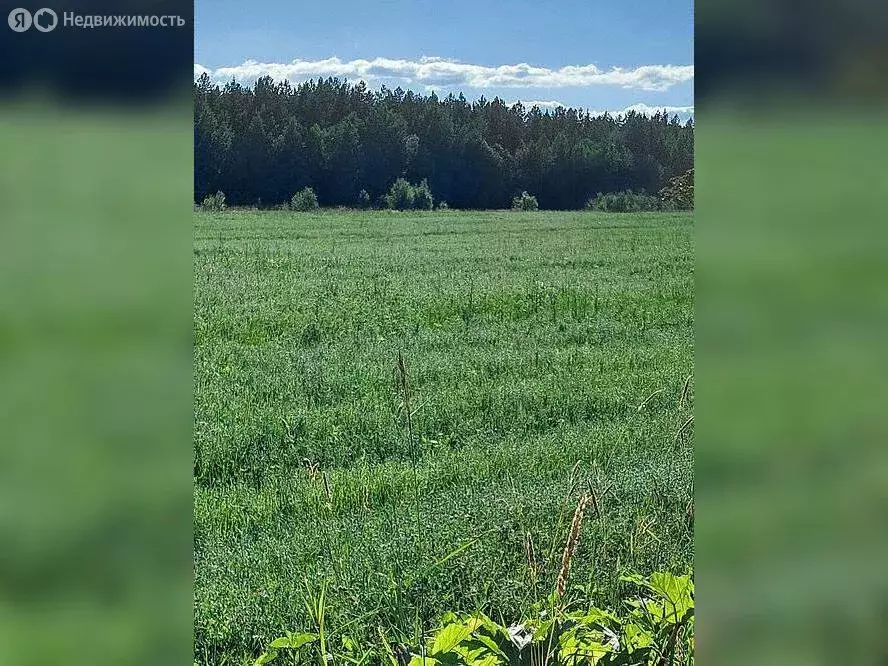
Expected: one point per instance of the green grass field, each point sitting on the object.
(547, 353)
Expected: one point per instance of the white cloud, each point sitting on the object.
(543, 104)
(648, 110)
(432, 72)
(644, 109)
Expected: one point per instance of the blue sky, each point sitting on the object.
(604, 56)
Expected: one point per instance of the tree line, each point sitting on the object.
(261, 144)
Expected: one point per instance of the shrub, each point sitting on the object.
(405, 196)
(525, 201)
(624, 202)
(214, 202)
(422, 196)
(443, 206)
(363, 199)
(401, 196)
(304, 200)
(679, 192)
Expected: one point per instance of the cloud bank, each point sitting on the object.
(542, 103)
(644, 109)
(436, 73)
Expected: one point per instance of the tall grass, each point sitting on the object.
(533, 354)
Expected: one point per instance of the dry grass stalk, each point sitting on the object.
(595, 504)
(574, 480)
(530, 558)
(594, 498)
(649, 398)
(571, 546)
(684, 426)
(684, 393)
(328, 491)
(311, 468)
(573, 473)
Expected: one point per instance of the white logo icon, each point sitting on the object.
(45, 20)
(20, 20)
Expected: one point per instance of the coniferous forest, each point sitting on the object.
(260, 145)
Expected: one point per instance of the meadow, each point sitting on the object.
(547, 354)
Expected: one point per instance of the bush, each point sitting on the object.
(443, 206)
(214, 202)
(422, 196)
(525, 201)
(405, 196)
(304, 200)
(624, 202)
(401, 196)
(679, 192)
(363, 199)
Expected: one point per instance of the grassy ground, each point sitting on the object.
(546, 353)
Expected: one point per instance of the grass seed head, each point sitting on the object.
(570, 547)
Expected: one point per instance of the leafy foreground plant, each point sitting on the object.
(655, 628)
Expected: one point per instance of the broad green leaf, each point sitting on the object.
(471, 652)
(449, 618)
(648, 610)
(449, 637)
(491, 645)
(635, 638)
(452, 658)
(677, 592)
(474, 623)
(542, 630)
(583, 645)
(634, 578)
(487, 622)
(488, 660)
(294, 641)
(597, 616)
(265, 658)
(349, 645)
(418, 660)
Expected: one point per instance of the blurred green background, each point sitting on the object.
(791, 466)
(95, 340)
(792, 477)
(95, 382)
